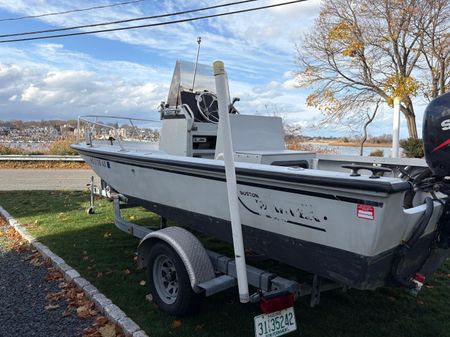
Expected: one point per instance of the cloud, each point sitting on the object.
(254, 46)
(40, 90)
(248, 42)
(51, 80)
(61, 83)
(35, 92)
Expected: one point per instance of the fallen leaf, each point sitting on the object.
(175, 324)
(142, 283)
(36, 262)
(63, 285)
(82, 308)
(29, 257)
(101, 321)
(99, 274)
(71, 293)
(66, 313)
(53, 275)
(52, 297)
(108, 330)
(51, 307)
(127, 271)
(90, 332)
(83, 312)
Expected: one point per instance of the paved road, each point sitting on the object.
(44, 179)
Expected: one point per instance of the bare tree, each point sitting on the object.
(359, 51)
(436, 50)
(369, 119)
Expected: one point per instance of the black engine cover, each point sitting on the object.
(436, 135)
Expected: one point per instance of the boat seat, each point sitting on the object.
(254, 133)
(260, 140)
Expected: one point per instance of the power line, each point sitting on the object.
(154, 24)
(72, 11)
(128, 20)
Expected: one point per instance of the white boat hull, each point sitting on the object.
(309, 221)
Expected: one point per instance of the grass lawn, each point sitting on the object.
(105, 256)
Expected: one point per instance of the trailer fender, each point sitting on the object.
(189, 249)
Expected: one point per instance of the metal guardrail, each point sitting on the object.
(41, 158)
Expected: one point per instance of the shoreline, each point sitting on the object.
(349, 144)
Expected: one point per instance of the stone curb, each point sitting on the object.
(103, 304)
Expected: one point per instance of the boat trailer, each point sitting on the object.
(268, 284)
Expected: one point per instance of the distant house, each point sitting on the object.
(66, 130)
(4, 131)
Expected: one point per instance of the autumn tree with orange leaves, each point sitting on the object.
(361, 51)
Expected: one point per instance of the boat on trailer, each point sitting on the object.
(360, 222)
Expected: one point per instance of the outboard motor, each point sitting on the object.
(434, 179)
(436, 139)
(436, 135)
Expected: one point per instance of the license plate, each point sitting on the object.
(276, 323)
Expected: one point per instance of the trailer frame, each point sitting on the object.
(265, 282)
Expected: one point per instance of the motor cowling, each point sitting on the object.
(436, 135)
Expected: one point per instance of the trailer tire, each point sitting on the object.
(169, 283)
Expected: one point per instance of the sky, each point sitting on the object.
(128, 73)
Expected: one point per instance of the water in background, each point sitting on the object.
(332, 149)
(351, 150)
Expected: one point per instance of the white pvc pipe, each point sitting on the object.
(396, 129)
(223, 98)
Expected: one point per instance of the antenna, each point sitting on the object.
(199, 40)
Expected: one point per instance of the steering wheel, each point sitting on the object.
(208, 107)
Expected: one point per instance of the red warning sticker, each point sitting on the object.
(365, 212)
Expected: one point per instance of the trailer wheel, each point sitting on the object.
(169, 282)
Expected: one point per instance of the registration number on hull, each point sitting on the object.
(276, 323)
(100, 162)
